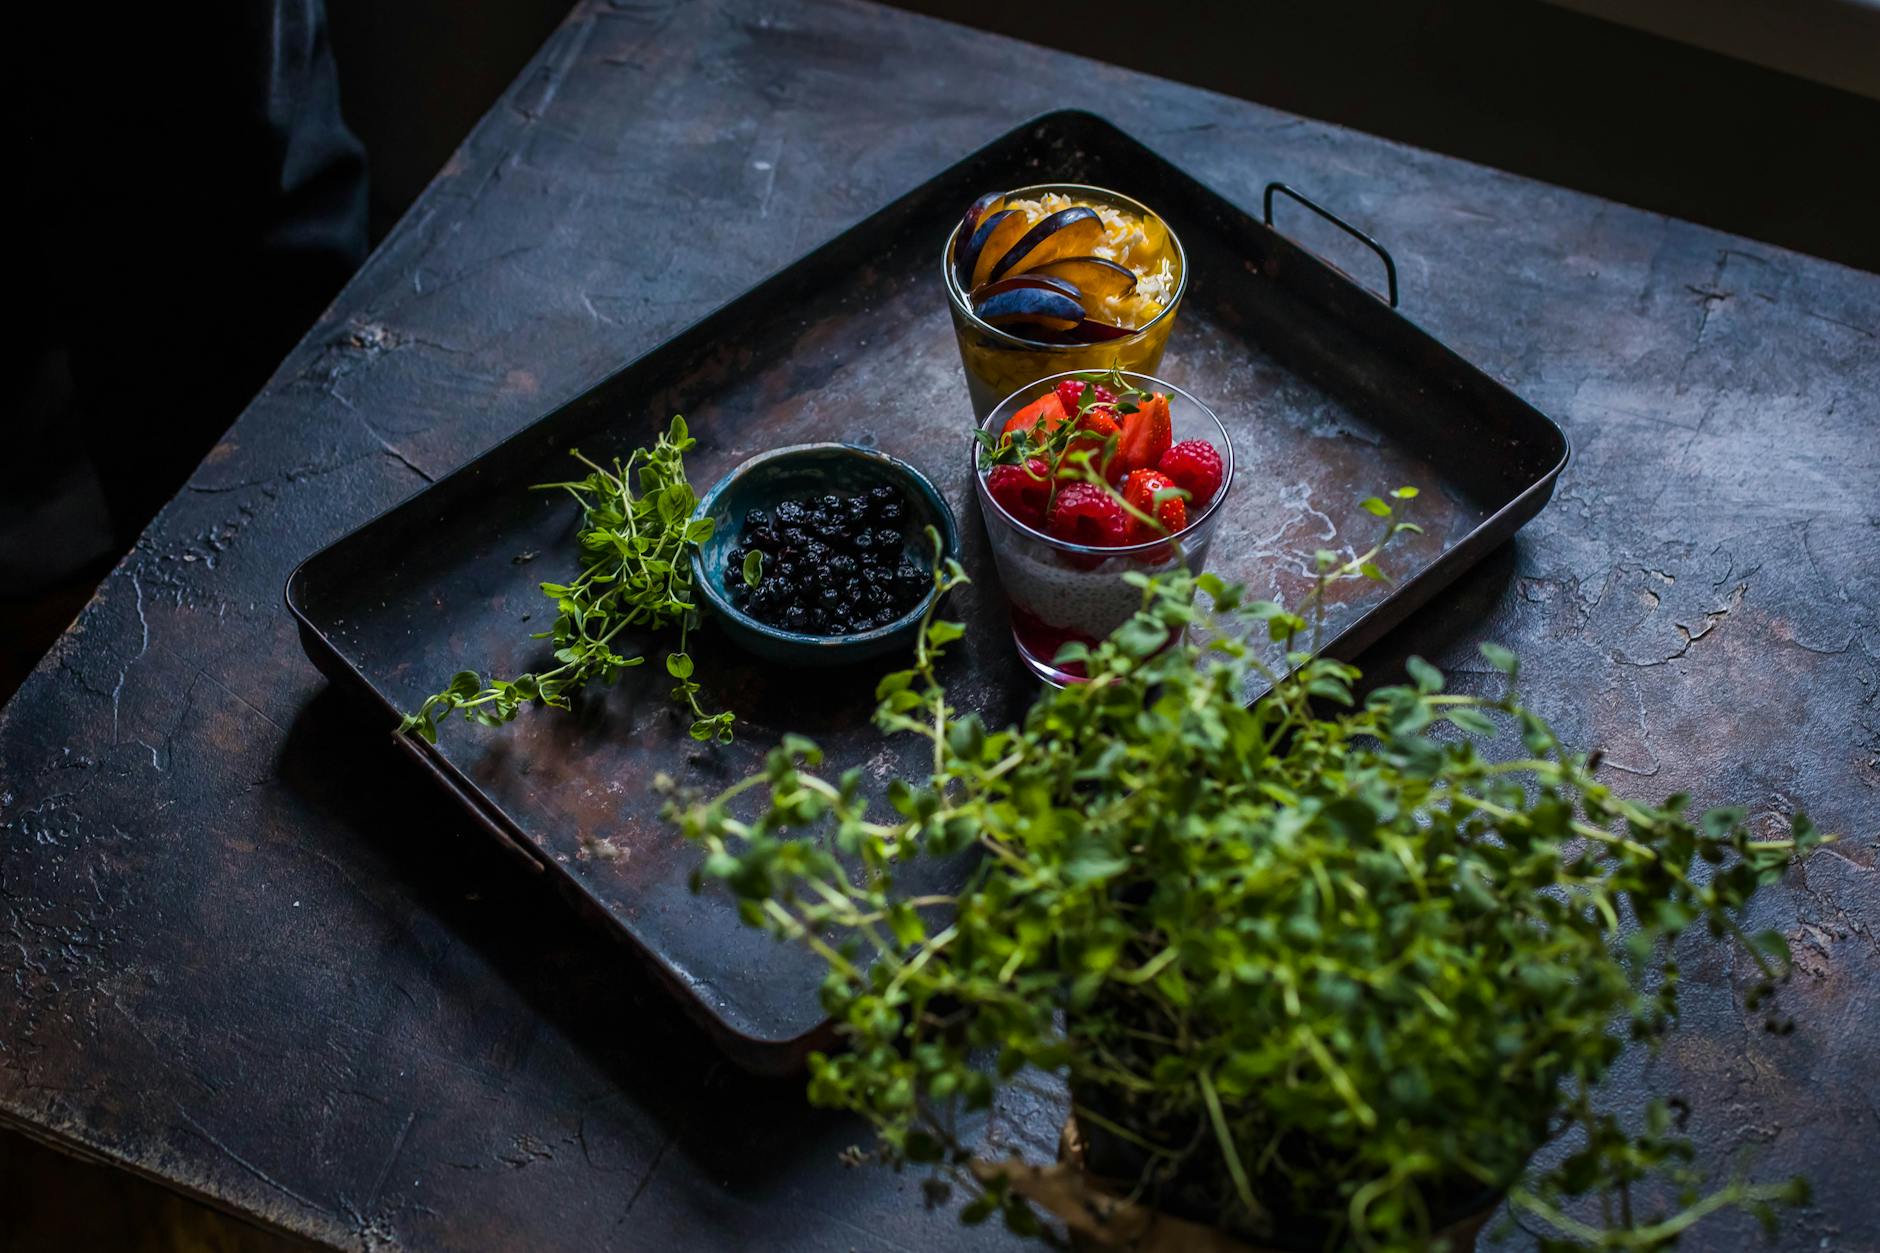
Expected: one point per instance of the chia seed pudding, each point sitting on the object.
(1066, 528)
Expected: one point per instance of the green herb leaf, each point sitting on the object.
(636, 571)
(1501, 659)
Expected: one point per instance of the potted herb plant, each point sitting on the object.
(1315, 980)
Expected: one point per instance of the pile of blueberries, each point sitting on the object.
(832, 565)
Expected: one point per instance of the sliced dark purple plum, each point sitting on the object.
(1091, 332)
(1007, 228)
(969, 255)
(1029, 280)
(975, 212)
(1094, 276)
(1039, 306)
(1069, 232)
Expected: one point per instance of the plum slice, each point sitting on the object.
(976, 251)
(1002, 230)
(975, 213)
(1029, 280)
(1069, 232)
(1089, 331)
(1040, 306)
(1098, 278)
(968, 259)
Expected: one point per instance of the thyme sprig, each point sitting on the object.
(635, 542)
(1339, 974)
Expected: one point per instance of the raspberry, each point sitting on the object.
(1146, 435)
(1195, 465)
(1102, 395)
(1021, 490)
(1069, 392)
(1140, 490)
(1086, 514)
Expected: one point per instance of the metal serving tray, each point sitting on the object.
(1330, 396)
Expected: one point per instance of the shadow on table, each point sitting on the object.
(591, 988)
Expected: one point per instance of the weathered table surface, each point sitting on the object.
(247, 955)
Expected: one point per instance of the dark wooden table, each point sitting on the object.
(246, 954)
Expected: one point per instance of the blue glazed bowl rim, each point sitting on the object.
(714, 595)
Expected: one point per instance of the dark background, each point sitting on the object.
(1521, 85)
(1517, 84)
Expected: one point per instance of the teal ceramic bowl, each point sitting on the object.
(782, 474)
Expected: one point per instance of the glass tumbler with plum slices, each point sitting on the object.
(1084, 478)
(1059, 277)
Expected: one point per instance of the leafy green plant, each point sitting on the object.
(636, 571)
(1316, 965)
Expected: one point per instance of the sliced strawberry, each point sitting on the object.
(1146, 435)
(1084, 513)
(1140, 490)
(1047, 409)
(1022, 490)
(1196, 467)
(1098, 426)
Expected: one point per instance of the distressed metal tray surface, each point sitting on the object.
(1330, 395)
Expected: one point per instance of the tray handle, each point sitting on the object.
(1390, 266)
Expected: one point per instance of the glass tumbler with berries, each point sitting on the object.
(1082, 478)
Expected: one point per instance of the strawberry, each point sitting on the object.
(1146, 435)
(1084, 513)
(1195, 466)
(1140, 491)
(1047, 409)
(1022, 490)
(1069, 392)
(1099, 427)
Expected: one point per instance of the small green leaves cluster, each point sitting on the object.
(635, 542)
(1320, 966)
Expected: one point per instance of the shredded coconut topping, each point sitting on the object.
(1128, 242)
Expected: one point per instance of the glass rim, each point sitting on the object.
(960, 304)
(1225, 448)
